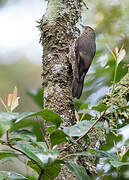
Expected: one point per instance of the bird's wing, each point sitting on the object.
(77, 60)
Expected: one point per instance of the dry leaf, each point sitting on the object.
(121, 55)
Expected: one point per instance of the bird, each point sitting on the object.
(84, 50)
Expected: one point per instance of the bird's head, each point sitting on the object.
(88, 30)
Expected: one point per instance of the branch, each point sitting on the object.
(40, 175)
(115, 100)
(85, 132)
(18, 150)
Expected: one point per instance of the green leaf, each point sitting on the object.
(41, 157)
(9, 116)
(11, 175)
(100, 107)
(111, 156)
(88, 116)
(117, 164)
(5, 153)
(51, 171)
(22, 124)
(4, 127)
(35, 126)
(111, 138)
(78, 171)
(121, 71)
(51, 116)
(80, 128)
(42, 145)
(25, 115)
(57, 137)
(33, 166)
(22, 135)
(46, 114)
(78, 104)
(125, 156)
(6, 121)
(83, 106)
(51, 129)
(37, 97)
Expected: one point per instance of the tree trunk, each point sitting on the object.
(57, 33)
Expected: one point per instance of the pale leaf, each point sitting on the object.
(121, 55)
(3, 103)
(77, 116)
(11, 101)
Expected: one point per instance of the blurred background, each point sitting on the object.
(21, 53)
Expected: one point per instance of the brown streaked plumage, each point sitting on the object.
(85, 49)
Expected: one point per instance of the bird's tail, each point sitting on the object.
(77, 88)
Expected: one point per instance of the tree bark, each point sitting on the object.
(57, 34)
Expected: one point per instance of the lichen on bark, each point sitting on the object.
(58, 29)
(57, 33)
(120, 99)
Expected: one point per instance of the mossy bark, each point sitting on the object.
(57, 33)
(120, 99)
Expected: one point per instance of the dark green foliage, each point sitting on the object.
(34, 146)
(78, 171)
(80, 128)
(111, 138)
(100, 108)
(57, 137)
(51, 171)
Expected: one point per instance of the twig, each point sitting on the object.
(18, 150)
(46, 141)
(40, 175)
(43, 173)
(85, 132)
(91, 127)
(42, 132)
(117, 98)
